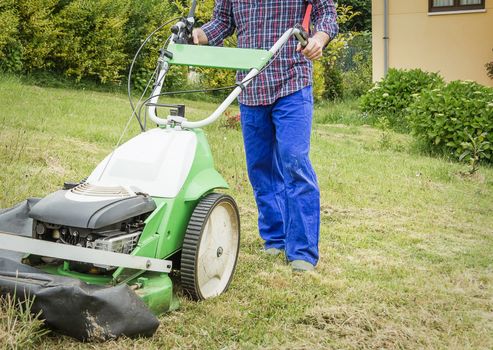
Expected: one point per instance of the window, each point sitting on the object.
(455, 5)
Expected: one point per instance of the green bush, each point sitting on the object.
(457, 119)
(143, 18)
(12, 59)
(318, 80)
(345, 71)
(357, 81)
(362, 22)
(93, 38)
(96, 40)
(333, 83)
(88, 39)
(357, 66)
(37, 32)
(10, 48)
(328, 71)
(8, 23)
(390, 97)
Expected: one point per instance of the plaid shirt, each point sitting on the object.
(258, 24)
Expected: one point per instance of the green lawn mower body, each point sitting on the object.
(151, 224)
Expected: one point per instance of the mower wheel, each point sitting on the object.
(210, 247)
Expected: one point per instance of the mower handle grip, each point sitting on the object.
(301, 35)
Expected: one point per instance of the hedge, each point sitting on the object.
(93, 39)
(456, 119)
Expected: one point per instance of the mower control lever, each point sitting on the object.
(182, 31)
(175, 110)
(301, 35)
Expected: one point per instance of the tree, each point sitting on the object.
(361, 22)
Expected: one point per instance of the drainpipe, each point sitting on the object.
(385, 36)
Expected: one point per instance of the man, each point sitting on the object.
(276, 115)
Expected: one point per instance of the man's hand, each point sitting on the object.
(199, 37)
(313, 50)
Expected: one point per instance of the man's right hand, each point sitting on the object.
(199, 37)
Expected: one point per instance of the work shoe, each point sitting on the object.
(272, 251)
(301, 266)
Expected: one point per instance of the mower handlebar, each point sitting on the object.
(222, 107)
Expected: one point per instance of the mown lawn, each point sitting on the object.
(406, 241)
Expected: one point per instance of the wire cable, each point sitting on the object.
(129, 82)
(127, 125)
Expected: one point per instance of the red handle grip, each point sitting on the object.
(306, 20)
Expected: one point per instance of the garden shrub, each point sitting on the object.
(345, 71)
(356, 82)
(8, 22)
(12, 58)
(87, 39)
(37, 32)
(362, 22)
(216, 78)
(457, 119)
(143, 18)
(391, 96)
(333, 83)
(318, 80)
(10, 49)
(328, 75)
(357, 66)
(93, 39)
(96, 40)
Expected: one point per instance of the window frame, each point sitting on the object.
(455, 7)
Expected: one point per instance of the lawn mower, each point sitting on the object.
(97, 256)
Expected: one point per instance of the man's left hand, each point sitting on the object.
(313, 50)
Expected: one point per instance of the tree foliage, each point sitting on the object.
(328, 82)
(359, 23)
(96, 39)
(10, 55)
(80, 38)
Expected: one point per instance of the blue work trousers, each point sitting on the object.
(277, 146)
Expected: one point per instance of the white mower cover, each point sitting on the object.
(156, 162)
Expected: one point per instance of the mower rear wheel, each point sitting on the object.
(210, 247)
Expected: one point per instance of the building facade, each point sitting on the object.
(451, 37)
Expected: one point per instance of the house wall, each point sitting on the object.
(455, 45)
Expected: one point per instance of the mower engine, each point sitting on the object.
(92, 216)
(119, 238)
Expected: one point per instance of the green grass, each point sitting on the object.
(406, 242)
(20, 328)
(339, 112)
